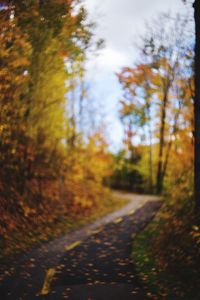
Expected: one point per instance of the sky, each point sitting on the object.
(120, 23)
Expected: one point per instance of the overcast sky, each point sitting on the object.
(119, 23)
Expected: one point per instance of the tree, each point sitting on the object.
(136, 105)
(197, 103)
(164, 47)
(38, 38)
(160, 88)
(15, 59)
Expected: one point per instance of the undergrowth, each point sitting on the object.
(167, 252)
(29, 234)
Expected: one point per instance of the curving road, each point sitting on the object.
(93, 263)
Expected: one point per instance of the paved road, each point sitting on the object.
(93, 263)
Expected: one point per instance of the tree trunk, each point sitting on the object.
(150, 153)
(197, 105)
(169, 146)
(161, 146)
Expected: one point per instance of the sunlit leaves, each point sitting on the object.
(47, 167)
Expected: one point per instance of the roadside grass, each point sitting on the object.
(19, 241)
(167, 253)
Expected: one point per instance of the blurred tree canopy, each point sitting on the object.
(157, 107)
(47, 161)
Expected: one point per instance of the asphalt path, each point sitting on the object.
(93, 263)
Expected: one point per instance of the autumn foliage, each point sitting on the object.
(49, 165)
(157, 107)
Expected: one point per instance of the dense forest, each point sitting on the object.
(49, 160)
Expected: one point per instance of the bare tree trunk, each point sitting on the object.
(150, 154)
(161, 145)
(197, 105)
(169, 146)
(81, 99)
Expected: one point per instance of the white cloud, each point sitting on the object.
(119, 21)
(109, 61)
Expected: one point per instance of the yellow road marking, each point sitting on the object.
(95, 231)
(46, 286)
(118, 220)
(72, 246)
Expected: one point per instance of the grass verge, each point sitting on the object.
(167, 253)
